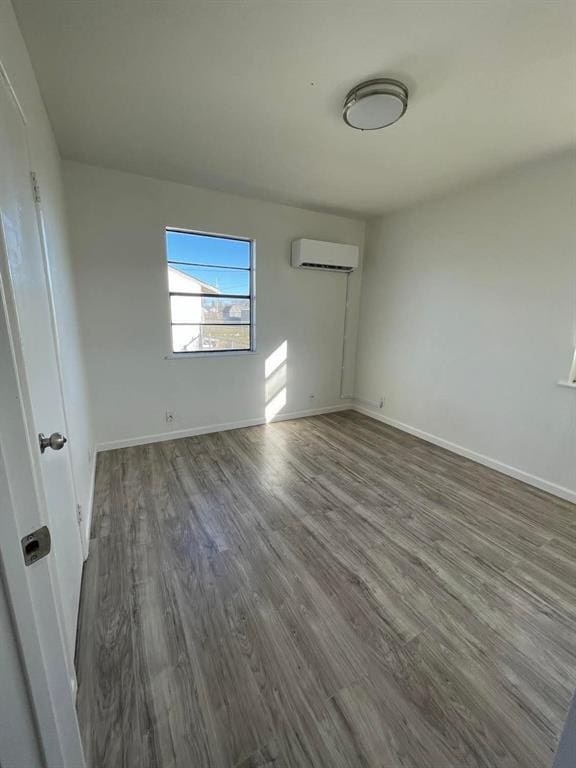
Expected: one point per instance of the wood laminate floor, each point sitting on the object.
(323, 592)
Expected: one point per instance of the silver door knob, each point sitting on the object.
(56, 441)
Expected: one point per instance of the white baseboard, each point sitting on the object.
(505, 469)
(222, 427)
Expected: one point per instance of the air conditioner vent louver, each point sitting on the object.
(312, 265)
(318, 254)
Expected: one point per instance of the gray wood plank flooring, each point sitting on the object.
(325, 592)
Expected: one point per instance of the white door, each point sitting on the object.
(30, 321)
(38, 722)
(18, 741)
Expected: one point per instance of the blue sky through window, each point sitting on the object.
(213, 252)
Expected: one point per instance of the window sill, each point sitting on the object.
(569, 384)
(223, 353)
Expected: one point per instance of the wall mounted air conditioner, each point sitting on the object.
(317, 254)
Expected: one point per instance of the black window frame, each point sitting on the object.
(250, 297)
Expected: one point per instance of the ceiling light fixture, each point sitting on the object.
(375, 104)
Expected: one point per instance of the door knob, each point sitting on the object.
(56, 441)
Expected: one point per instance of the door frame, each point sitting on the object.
(31, 591)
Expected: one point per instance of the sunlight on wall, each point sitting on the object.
(275, 405)
(275, 382)
(275, 372)
(276, 359)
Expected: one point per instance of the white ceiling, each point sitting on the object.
(246, 95)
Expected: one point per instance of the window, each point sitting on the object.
(210, 281)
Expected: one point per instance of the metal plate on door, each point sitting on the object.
(36, 545)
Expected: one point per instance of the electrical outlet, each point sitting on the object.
(169, 417)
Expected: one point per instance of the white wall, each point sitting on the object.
(46, 162)
(468, 318)
(117, 224)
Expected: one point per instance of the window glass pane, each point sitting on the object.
(209, 338)
(203, 249)
(209, 309)
(208, 280)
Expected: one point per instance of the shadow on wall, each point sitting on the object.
(275, 369)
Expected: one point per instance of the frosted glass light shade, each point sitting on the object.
(375, 104)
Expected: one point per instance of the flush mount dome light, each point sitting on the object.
(375, 104)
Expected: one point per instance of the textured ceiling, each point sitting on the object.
(246, 96)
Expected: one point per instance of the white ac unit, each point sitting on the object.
(317, 254)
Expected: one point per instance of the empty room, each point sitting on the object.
(288, 384)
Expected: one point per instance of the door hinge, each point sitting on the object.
(35, 188)
(79, 513)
